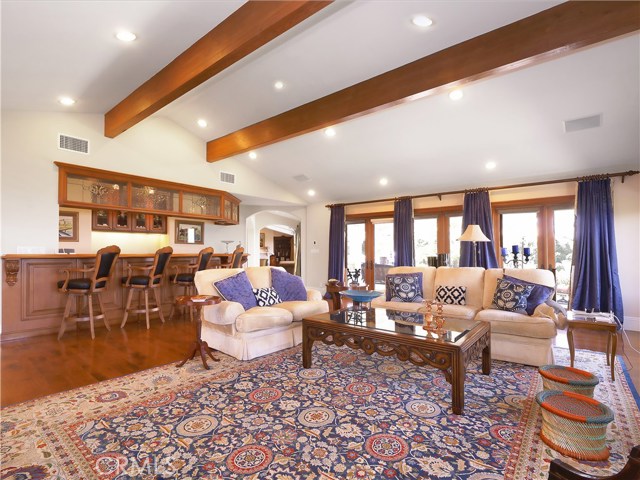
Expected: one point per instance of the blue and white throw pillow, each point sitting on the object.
(404, 287)
(266, 297)
(451, 295)
(511, 297)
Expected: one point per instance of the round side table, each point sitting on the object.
(198, 345)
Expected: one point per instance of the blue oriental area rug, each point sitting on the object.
(351, 416)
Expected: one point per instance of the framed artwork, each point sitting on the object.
(189, 232)
(262, 240)
(67, 226)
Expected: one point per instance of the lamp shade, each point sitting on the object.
(473, 233)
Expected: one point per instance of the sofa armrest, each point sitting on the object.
(313, 295)
(224, 313)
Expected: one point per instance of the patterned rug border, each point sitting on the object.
(632, 386)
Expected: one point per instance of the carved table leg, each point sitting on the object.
(486, 358)
(572, 351)
(457, 384)
(307, 344)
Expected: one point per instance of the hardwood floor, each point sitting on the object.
(42, 365)
(39, 366)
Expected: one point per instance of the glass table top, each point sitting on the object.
(407, 323)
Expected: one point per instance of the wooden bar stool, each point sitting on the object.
(185, 279)
(236, 258)
(87, 286)
(143, 283)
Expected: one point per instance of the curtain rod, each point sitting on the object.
(628, 173)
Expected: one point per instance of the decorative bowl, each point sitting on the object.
(361, 295)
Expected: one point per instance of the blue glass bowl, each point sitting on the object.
(361, 295)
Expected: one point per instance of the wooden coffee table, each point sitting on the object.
(388, 332)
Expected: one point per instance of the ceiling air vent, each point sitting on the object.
(582, 123)
(301, 178)
(73, 144)
(227, 177)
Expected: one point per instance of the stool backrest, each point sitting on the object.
(105, 265)
(160, 262)
(203, 258)
(236, 261)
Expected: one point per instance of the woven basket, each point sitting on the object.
(568, 379)
(574, 425)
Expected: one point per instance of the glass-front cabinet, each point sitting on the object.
(121, 202)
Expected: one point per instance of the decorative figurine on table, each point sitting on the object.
(354, 277)
(428, 315)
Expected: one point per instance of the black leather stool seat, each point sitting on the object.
(78, 284)
(183, 277)
(140, 280)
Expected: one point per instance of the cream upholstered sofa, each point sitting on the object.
(515, 337)
(247, 334)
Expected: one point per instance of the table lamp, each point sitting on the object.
(474, 234)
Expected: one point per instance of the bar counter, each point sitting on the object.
(32, 305)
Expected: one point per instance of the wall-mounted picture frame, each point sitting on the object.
(262, 240)
(189, 232)
(67, 226)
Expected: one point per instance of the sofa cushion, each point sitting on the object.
(260, 277)
(518, 324)
(265, 297)
(380, 302)
(299, 309)
(404, 287)
(511, 297)
(289, 287)
(205, 279)
(262, 318)
(470, 277)
(538, 295)
(237, 289)
(466, 312)
(451, 295)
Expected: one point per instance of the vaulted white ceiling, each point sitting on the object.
(50, 48)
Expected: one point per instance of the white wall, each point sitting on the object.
(155, 148)
(626, 207)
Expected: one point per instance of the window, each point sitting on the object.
(436, 232)
(425, 239)
(519, 232)
(545, 226)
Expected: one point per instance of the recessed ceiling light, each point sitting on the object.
(67, 101)
(490, 165)
(330, 132)
(125, 36)
(421, 21)
(383, 181)
(202, 123)
(311, 193)
(456, 95)
(253, 155)
(279, 85)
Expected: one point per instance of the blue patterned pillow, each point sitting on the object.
(265, 297)
(237, 288)
(539, 294)
(289, 287)
(511, 297)
(404, 287)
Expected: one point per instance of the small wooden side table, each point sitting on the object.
(575, 321)
(198, 345)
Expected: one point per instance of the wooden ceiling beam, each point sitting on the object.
(251, 26)
(548, 34)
